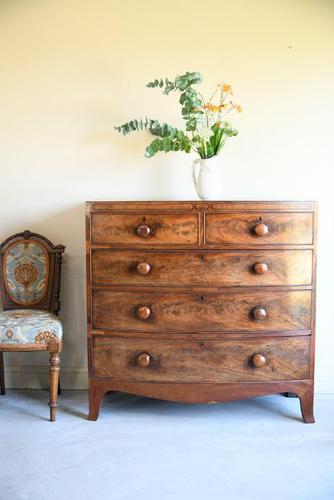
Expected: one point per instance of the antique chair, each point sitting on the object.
(30, 287)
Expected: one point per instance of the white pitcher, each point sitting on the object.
(207, 180)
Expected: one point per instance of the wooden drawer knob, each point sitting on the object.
(259, 313)
(143, 268)
(258, 360)
(261, 229)
(143, 231)
(261, 267)
(143, 360)
(143, 312)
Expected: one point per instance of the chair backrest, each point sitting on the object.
(30, 268)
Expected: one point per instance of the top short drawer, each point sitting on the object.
(259, 228)
(145, 228)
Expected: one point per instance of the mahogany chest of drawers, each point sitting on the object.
(201, 301)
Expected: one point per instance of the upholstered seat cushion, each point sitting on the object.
(27, 326)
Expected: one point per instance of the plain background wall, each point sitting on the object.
(72, 69)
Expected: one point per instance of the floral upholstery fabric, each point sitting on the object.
(24, 326)
(26, 272)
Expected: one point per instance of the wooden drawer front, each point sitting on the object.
(211, 312)
(237, 268)
(240, 228)
(177, 228)
(217, 361)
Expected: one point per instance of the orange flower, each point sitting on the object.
(216, 109)
(238, 108)
(225, 87)
(209, 106)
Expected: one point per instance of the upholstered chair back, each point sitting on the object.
(30, 272)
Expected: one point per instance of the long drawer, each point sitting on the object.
(217, 361)
(259, 228)
(240, 311)
(195, 267)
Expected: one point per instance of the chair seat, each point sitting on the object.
(29, 326)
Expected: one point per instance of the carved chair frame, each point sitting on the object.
(49, 302)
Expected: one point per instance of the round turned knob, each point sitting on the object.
(143, 312)
(143, 230)
(143, 268)
(261, 229)
(259, 313)
(143, 360)
(258, 360)
(261, 267)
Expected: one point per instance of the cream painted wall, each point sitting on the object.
(71, 70)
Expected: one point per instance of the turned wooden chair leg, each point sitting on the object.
(54, 380)
(2, 375)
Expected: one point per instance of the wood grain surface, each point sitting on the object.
(201, 361)
(178, 228)
(283, 228)
(217, 268)
(188, 206)
(191, 312)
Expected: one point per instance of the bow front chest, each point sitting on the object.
(201, 301)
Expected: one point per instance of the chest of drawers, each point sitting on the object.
(201, 301)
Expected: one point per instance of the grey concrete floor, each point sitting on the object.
(146, 449)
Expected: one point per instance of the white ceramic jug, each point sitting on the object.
(206, 178)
